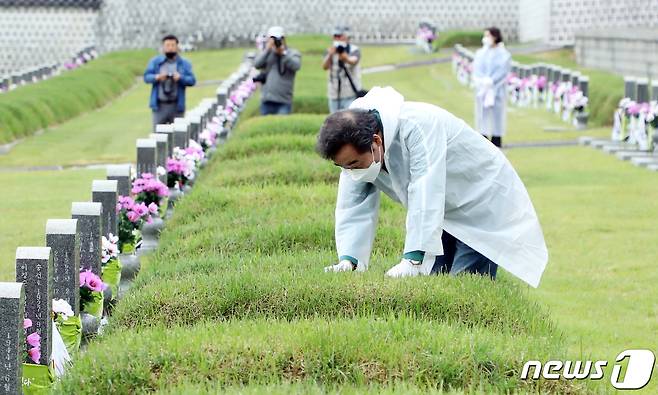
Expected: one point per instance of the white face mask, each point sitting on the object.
(370, 174)
(487, 41)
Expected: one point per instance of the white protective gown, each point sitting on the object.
(490, 69)
(448, 177)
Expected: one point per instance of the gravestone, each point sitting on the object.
(583, 85)
(12, 310)
(168, 130)
(120, 174)
(105, 193)
(181, 133)
(64, 241)
(557, 74)
(629, 87)
(34, 268)
(222, 95)
(566, 75)
(89, 216)
(642, 89)
(146, 155)
(195, 126)
(654, 90)
(543, 70)
(161, 152)
(574, 78)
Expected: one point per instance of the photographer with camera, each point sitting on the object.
(342, 61)
(279, 65)
(169, 74)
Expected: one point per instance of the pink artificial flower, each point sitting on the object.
(33, 339)
(95, 283)
(34, 354)
(147, 176)
(27, 323)
(153, 208)
(141, 209)
(133, 216)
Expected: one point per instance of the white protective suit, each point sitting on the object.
(448, 177)
(490, 69)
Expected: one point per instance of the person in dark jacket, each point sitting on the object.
(169, 75)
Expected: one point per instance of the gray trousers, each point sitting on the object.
(165, 114)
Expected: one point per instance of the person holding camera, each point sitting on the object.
(342, 61)
(279, 65)
(169, 75)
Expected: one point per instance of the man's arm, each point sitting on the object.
(261, 59)
(188, 78)
(357, 211)
(427, 189)
(151, 73)
(292, 60)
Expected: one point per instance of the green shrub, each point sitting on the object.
(38, 106)
(466, 38)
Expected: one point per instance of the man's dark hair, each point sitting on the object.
(353, 126)
(495, 32)
(170, 37)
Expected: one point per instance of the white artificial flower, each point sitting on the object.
(63, 308)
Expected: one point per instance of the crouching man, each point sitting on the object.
(467, 209)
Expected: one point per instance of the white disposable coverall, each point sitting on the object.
(448, 177)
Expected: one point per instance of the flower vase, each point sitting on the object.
(580, 120)
(151, 232)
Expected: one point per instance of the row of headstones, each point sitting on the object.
(52, 272)
(40, 73)
(634, 135)
(556, 87)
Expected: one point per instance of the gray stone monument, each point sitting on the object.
(168, 130)
(34, 268)
(629, 87)
(64, 241)
(195, 125)
(583, 85)
(12, 310)
(566, 75)
(105, 193)
(181, 133)
(222, 95)
(574, 78)
(642, 89)
(161, 152)
(121, 174)
(89, 216)
(146, 154)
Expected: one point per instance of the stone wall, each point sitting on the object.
(37, 36)
(632, 52)
(128, 24)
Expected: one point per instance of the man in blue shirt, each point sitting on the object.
(169, 74)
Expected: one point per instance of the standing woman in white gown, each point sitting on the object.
(490, 69)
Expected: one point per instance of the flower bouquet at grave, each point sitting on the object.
(632, 112)
(37, 379)
(91, 293)
(642, 133)
(540, 86)
(68, 324)
(578, 105)
(569, 102)
(61, 357)
(652, 124)
(619, 121)
(208, 137)
(559, 97)
(110, 263)
(152, 192)
(131, 217)
(195, 152)
(180, 169)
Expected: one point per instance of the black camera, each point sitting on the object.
(341, 47)
(277, 42)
